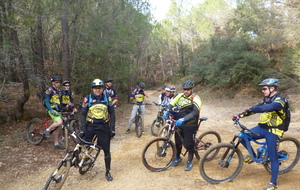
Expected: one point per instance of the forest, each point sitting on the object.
(220, 44)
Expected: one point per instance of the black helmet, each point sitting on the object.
(56, 78)
(108, 80)
(66, 82)
(187, 84)
(142, 85)
(163, 87)
(270, 82)
(97, 82)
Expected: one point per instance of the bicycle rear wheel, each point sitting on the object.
(59, 176)
(158, 154)
(157, 125)
(34, 131)
(289, 147)
(224, 166)
(205, 141)
(139, 126)
(87, 159)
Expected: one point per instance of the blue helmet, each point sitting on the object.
(270, 82)
(97, 82)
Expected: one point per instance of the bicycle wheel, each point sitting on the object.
(205, 141)
(158, 154)
(224, 166)
(74, 125)
(290, 148)
(59, 176)
(34, 131)
(139, 126)
(66, 138)
(156, 125)
(87, 159)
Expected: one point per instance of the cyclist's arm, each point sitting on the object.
(193, 113)
(47, 102)
(274, 106)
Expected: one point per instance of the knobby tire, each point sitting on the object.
(139, 126)
(59, 176)
(88, 163)
(34, 135)
(156, 126)
(205, 141)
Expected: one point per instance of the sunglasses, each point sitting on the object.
(264, 89)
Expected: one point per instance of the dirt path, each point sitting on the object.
(127, 168)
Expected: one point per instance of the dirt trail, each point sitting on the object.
(128, 170)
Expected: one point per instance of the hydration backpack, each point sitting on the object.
(286, 122)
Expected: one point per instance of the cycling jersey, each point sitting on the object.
(111, 93)
(139, 96)
(52, 98)
(95, 109)
(189, 108)
(269, 119)
(66, 96)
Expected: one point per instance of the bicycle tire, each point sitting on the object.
(139, 126)
(205, 141)
(74, 125)
(66, 139)
(218, 170)
(158, 159)
(156, 126)
(33, 135)
(87, 162)
(59, 176)
(291, 147)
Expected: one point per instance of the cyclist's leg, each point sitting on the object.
(257, 130)
(178, 143)
(272, 144)
(188, 140)
(133, 114)
(103, 134)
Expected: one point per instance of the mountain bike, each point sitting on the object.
(35, 128)
(83, 156)
(229, 161)
(139, 121)
(159, 120)
(159, 153)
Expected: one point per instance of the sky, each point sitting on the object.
(162, 6)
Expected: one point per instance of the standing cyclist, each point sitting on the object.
(269, 125)
(189, 105)
(94, 121)
(113, 100)
(66, 96)
(138, 98)
(52, 102)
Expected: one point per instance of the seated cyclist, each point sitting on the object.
(269, 125)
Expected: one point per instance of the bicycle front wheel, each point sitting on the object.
(224, 166)
(59, 176)
(205, 141)
(87, 159)
(139, 126)
(158, 154)
(34, 131)
(289, 148)
(157, 125)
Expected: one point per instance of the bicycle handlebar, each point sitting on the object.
(244, 128)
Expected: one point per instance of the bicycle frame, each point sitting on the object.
(262, 150)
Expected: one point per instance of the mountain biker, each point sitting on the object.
(189, 105)
(272, 104)
(138, 98)
(113, 100)
(94, 121)
(52, 102)
(66, 96)
(162, 95)
(170, 95)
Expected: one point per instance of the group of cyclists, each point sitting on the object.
(98, 117)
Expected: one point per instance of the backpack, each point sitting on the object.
(91, 100)
(286, 122)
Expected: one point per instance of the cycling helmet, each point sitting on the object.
(170, 88)
(66, 82)
(163, 87)
(187, 84)
(97, 82)
(108, 80)
(56, 78)
(142, 85)
(270, 82)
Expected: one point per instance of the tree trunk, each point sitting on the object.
(65, 40)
